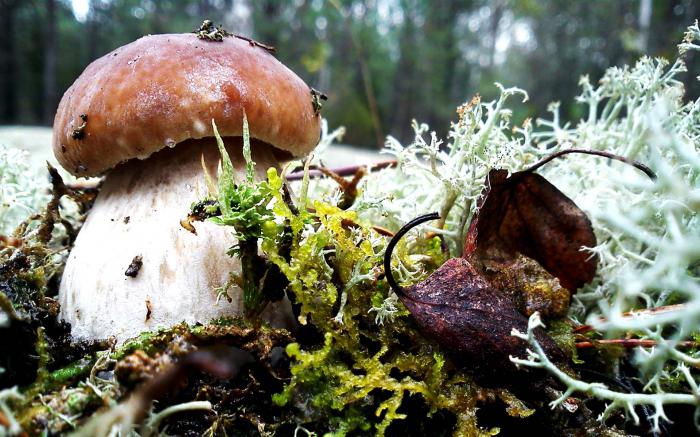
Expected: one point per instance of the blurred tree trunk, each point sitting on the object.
(8, 63)
(206, 11)
(235, 21)
(364, 73)
(49, 100)
(92, 31)
(268, 34)
(666, 24)
(497, 9)
(403, 101)
(440, 32)
(645, 7)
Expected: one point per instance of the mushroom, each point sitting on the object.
(133, 267)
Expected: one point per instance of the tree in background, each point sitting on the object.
(8, 69)
(382, 63)
(49, 75)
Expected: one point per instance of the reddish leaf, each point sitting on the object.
(525, 213)
(461, 311)
(470, 305)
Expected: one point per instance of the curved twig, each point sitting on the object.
(320, 171)
(392, 243)
(638, 165)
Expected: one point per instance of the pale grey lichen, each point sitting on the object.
(12, 427)
(23, 190)
(617, 400)
(445, 175)
(648, 231)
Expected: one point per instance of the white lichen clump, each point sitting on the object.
(23, 190)
(648, 231)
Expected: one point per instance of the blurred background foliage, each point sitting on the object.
(381, 62)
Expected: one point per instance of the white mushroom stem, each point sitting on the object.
(138, 213)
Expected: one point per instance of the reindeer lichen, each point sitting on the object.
(648, 232)
(22, 191)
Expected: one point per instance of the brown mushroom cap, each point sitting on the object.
(164, 89)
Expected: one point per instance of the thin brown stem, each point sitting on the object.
(629, 343)
(635, 313)
(351, 170)
(638, 165)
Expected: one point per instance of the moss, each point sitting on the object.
(66, 398)
(151, 341)
(561, 332)
(530, 286)
(70, 373)
(42, 352)
(360, 375)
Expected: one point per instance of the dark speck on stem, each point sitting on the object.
(134, 267)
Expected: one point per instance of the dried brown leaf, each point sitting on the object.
(524, 213)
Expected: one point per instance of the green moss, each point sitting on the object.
(359, 376)
(79, 401)
(150, 341)
(223, 321)
(70, 373)
(560, 330)
(42, 352)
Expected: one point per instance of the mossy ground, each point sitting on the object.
(344, 370)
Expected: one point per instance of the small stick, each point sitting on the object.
(350, 170)
(9, 241)
(254, 43)
(629, 343)
(390, 249)
(638, 165)
(382, 231)
(347, 223)
(642, 312)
